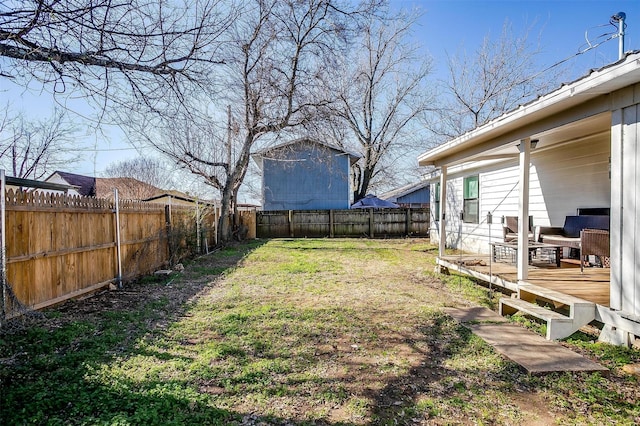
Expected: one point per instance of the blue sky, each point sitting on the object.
(445, 27)
(448, 25)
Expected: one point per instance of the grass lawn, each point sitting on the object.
(294, 332)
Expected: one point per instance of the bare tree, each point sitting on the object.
(382, 94)
(497, 78)
(137, 178)
(143, 50)
(272, 71)
(32, 149)
(145, 169)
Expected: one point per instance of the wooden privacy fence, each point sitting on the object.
(371, 223)
(59, 247)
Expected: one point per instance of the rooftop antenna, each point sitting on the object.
(619, 18)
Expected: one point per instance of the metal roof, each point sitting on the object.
(394, 194)
(597, 82)
(258, 155)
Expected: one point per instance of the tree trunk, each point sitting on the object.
(365, 180)
(230, 191)
(224, 228)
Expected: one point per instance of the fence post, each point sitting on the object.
(3, 248)
(167, 221)
(198, 228)
(331, 223)
(371, 223)
(407, 222)
(217, 211)
(118, 247)
(291, 233)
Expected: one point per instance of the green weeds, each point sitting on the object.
(340, 332)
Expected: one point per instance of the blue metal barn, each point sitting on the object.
(305, 174)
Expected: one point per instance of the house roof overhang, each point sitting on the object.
(10, 180)
(574, 111)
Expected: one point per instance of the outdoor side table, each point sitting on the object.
(508, 251)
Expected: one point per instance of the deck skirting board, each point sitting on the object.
(613, 318)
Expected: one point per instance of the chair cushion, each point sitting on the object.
(561, 240)
(574, 224)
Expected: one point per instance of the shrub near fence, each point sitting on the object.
(59, 247)
(371, 223)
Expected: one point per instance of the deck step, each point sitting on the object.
(581, 311)
(530, 292)
(509, 306)
(558, 326)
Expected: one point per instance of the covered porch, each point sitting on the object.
(567, 152)
(592, 285)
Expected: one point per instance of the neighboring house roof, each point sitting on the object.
(259, 155)
(485, 142)
(38, 184)
(394, 194)
(89, 186)
(180, 196)
(128, 188)
(86, 185)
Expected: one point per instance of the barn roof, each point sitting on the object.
(259, 155)
(394, 194)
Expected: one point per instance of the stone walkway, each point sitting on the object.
(526, 348)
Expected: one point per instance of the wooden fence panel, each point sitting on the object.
(248, 218)
(351, 223)
(311, 223)
(420, 220)
(143, 241)
(273, 224)
(345, 223)
(59, 247)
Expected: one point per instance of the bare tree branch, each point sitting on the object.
(113, 49)
(382, 93)
(272, 73)
(497, 78)
(33, 149)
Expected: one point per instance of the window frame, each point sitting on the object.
(471, 198)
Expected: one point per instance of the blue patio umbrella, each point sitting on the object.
(371, 201)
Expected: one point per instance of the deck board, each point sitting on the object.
(593, 285)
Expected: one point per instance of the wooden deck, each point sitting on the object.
(593, 285)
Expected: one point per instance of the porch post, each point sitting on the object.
(443, 208)
(617, 198)
(523, 210)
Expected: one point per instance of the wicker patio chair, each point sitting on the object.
(594, 242)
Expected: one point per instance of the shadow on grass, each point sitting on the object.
(422, 393)
(60, 373)
(49, 373)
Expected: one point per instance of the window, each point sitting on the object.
(470, 205)
(436, 202)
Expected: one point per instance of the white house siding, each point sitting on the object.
(571, 176)
(56, 178)
(562, 179)
(625, 243)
